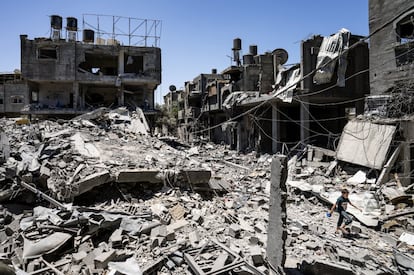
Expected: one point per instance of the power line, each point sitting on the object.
(296, 97)
(306, 76)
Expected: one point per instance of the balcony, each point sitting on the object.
(193, 112)
(195, 94)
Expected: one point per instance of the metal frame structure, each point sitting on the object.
(200, 267)
(138, 32)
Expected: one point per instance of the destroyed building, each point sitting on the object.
(389, 104)
(293, 105)
(66, 76)
(14, 93)
(98, 194)
(191, 103)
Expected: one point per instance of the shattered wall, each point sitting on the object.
(83, 74)
(390, 47)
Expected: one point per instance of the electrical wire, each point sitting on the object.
(303, 120)
(307, 75)
(296, 97)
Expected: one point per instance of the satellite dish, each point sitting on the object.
(172, 88)
(281, 55)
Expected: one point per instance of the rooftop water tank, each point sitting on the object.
(88, 36)
(237, 44)
(71, 24)
(56, 22)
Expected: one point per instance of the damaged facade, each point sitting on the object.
(67, 76)
(289, 108)
(98, 194)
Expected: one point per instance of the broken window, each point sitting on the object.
(405, 28)
(1, 101)
(133, 64)
(47, 53)
(100, 64)
(17, 99)
(35, 96)
(405, 36)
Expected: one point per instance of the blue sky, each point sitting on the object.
(196, 35)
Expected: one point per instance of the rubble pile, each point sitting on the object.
(379, 233)
(99, 195)
(162, 227)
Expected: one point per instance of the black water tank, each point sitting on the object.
(248, 59)
(253, 50)
(72, 24)
(88, 36)
(237, 44)
(213, 71)
(56, 22)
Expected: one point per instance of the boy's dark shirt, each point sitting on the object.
(341, 204)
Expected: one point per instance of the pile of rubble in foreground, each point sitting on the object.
(99, 195)
(94, 196)
(381, 239)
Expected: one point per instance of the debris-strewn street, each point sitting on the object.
(108, 197)
(291, 157)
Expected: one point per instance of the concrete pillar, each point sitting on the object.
(239, 137)
(304, 122)
(82, 104)
(121, 58)
(276, 231)
(75, 95)
(276, 145)
(121, 98)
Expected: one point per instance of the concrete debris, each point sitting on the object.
(97, 198)
(364, 250)
(110, 201)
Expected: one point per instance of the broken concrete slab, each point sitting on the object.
(91, 181)
(364, 136)
(139, 176)
(45, 245)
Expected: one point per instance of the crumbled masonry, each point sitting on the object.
(88, 196)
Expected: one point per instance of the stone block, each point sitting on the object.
(256, 254)
(234, 230)
(102, 260)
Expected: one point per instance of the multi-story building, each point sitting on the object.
(261, 104)
(65, 76)
(191, 102)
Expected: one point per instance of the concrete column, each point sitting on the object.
(239, 136)
(121, 99)
(83, 99)
(304, 122)
(276, 145)
(121, 58)
(75, 95)
(276, 231)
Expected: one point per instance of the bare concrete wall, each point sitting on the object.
(383, 68)
(55, 95)
(115, 66)
(14, 97)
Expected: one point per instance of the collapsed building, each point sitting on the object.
(147, 205)
(65, 76)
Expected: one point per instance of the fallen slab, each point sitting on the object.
(89, 182)
(139, 175)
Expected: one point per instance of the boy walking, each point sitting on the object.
(341, 206)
